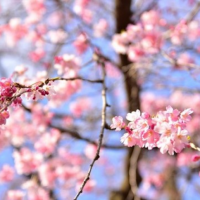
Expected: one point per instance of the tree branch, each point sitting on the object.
(78, 136)
(103, 122)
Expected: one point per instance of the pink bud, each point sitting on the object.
(195, 158)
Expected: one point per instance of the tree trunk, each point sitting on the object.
(122, 16)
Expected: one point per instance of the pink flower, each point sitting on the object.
(177, 35)
(180, 140)
(81, 43)
(133, 116)
(80, 5)
(119, 42)
(35, 10)
(195, 158)
(165, 145)
(47, 142)
(164, 128)
(143, 124)
(111, 70)
(184, 59)
(37, 55)
(193, 30)
(15, 195)
(167, 130)
(38, 194)
(185, 115)
(135, 53)
(151, 42)
(81, 8)
(128, 140)
(150, 17)
(150, 137)
(117, 123)
(57, 36)
(75, 159)
(15, 31)
(90, 151)
(133, 31)
(100, 28)
(172, 113)
(184, 158)
(47, 174)
(3, 116)
(26, 161)
(6, 174)
(67, 65)
(7, 89)
(80, 106)
(67, 172)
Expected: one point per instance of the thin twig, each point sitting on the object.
(103, 123)
(41, 84)
(191, 15)
(193, 12)
(76, 135)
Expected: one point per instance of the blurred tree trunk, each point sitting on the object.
(123, 18)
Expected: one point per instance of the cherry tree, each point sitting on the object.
(74, 72)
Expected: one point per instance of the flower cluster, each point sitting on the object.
(14, 31)
(147, 38)
(10, 94)
(166, 131)
(142, 39)
(7, 90)
(37, 92)
(81, 8)
(35, 10)
(67, 65)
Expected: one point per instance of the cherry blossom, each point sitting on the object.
(67, 65)
(47, 142)
(6, 174)
(27, 161)
(167, 130)
(55, 47)
(15, 195)
(117, 123)
(195, 158)
(100, 28)
(81, 43)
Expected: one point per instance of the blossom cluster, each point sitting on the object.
(140, 39)
(67, 65)
(81, 9)
(7, 90)
(10, 94)
(166, 130)
(62, 168)
(152, 34)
